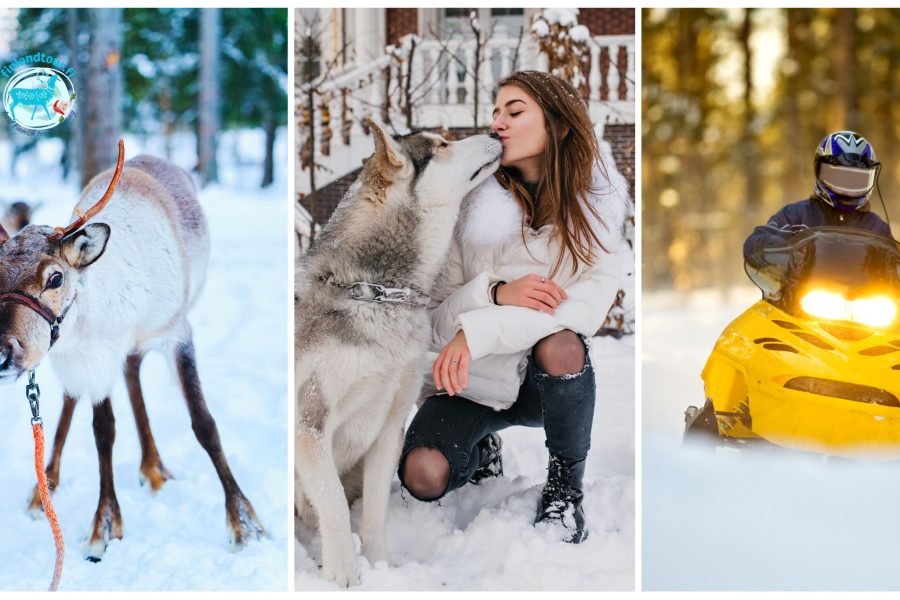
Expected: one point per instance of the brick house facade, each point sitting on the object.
(403, 21)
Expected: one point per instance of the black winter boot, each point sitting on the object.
(562, 496)
(491, 464)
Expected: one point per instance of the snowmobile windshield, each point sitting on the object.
(849, 263)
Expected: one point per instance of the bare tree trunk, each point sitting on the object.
(270, 127)
(748, 145)
(792, 128)
(749, 153)
(101, 105)
(687, 50)
(407, 94)
(847, 114)
(209, 95)
(311, 140)
(168, 117)
(71, 159)
(477, 75)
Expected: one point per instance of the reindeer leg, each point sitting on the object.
(59, 440)
(152, 468)
(108, 518)
(240, 516)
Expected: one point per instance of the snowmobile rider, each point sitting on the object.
(846, 173)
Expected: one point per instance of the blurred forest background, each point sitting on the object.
(159, 73)
(734, 103)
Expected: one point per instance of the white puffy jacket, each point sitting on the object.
(488, 247)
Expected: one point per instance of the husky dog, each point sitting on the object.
(362, 330)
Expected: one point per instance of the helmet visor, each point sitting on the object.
(847, 181)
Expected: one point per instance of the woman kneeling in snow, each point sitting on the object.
(535, 265)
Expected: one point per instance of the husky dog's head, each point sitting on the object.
(395, 223)
(425, 166)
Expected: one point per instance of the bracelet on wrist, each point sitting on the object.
(494, 289)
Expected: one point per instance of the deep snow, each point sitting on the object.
(731, 520)
(481, 537)
(176, 540)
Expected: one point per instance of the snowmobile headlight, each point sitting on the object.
(877, 311)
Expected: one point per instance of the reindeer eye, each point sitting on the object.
(55, 281)
(443, 145)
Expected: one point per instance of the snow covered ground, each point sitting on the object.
(176, 540)
(735, 521)
(482, 538)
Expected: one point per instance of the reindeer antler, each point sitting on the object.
(83, 217)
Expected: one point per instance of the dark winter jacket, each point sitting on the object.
(808, 213)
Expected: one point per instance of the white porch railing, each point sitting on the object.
(442, 90)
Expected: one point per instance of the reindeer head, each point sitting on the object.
(39, 271)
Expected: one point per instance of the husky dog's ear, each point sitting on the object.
(388, 156)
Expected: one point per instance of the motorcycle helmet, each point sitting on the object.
(846, 170)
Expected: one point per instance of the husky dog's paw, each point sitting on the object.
(343, 573)
(243, 526)
(375, 550)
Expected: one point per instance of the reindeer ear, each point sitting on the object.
(86, 245)
(388, 157)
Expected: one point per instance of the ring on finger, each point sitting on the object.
(454, 362)
(543, 280)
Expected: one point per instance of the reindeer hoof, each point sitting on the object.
(94, 553)
(107, 526)
(243, 526)
(35, 508)
(94, 549)
(156, 475)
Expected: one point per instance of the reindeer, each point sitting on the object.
(38, 97)
(96, 296)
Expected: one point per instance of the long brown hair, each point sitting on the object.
(567, 168)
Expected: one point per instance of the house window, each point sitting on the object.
(455, 22)
(507, 21)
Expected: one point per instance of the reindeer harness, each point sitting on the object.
(20, 297)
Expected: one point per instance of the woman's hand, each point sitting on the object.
(531, 291)
(451, 369)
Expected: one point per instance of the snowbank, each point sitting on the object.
(737, 521)
(482, 538)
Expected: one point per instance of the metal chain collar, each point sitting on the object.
(375, 292)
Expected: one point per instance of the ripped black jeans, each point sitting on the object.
(563, 406)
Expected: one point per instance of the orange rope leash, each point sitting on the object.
(33, 393)
(38, 431)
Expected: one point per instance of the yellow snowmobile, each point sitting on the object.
(815, 365)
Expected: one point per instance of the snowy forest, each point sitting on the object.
(734, 103)
(158, 73)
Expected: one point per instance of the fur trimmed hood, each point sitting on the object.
(490, 215)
